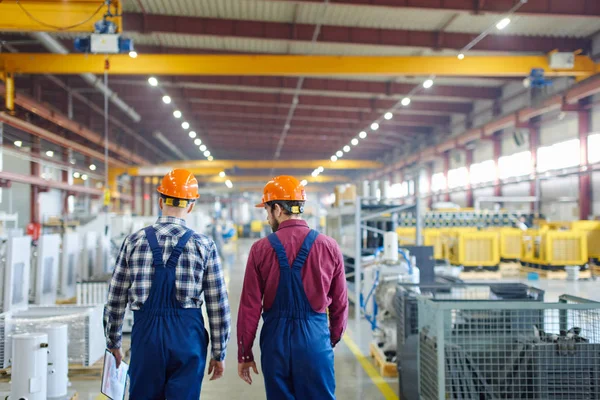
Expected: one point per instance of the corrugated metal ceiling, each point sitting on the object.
(365, 16)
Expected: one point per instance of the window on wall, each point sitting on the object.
(484, 171)
(423, 184)
(594, 148)
(396, 190)
(517, 164)
(411, 188)
(438, 182)
(458, 177)
(559, 155)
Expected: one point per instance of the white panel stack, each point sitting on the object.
(90, 251)
(68, 269)
(29, 368)
(16, 279)
(58, 361)
(46, 276)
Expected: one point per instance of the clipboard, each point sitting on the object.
(114, 381)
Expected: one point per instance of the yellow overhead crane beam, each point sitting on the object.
(272, 164)
(56, 15)
(278, 65)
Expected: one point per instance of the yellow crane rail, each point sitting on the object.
(282, 65)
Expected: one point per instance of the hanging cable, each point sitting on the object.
(60, 28)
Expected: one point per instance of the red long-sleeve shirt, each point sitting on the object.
(322, 275)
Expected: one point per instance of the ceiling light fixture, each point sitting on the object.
(362, 135)
(50, 153)
(354, 142)
(133, 54)
(428, 83)
(333, 158)
(185, 125)
(229, 184)
(461, 56)
(210, 158)
(197, 142)
(206, 153)
(222, 174)
(374, 126)
(192, 134)
(339, 154)
(315, 173)
(503, 23)
(93, 167)
(166, 99)
(405, 101)
(203, 147)
(177, 114)
(18, 143)
(320, 169)
(304, 182)
(76, 175)
(346, 148)
(153, 81)
(84, 177)
(388, 115)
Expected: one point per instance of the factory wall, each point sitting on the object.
(559, 195)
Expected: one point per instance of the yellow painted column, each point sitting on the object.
(10, 92)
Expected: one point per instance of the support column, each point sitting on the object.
(497, 140)
(35, 190)
(10, 92)
(65, 178)
(534, 144)
(144, 191)
(469, 161)
(585, 187)
(446, 162)
(133, 200)
(428, 171)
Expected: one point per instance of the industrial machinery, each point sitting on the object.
(473, 249)
(16, 273)
(550, 249)
(382, 277)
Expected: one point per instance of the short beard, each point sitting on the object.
(275, 226)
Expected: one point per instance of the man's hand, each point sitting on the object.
(118, 356)
(218, 367)
(244, 371)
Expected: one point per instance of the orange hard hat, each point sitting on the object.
(283, 188)
(179, 184)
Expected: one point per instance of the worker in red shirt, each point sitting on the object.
(295, 275)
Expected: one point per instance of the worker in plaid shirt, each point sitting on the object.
(162, 271)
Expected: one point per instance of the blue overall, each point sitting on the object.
(297, 357)
(168, 342)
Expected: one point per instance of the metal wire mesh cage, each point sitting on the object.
(509, 350)
(405, 302)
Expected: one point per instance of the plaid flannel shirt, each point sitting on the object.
(198, 272)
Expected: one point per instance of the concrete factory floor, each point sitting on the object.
(356, 376)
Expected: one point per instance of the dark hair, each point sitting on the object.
(289, 207)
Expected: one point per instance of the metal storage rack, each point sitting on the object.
(406, 312)
(508, 350)
(351, 226)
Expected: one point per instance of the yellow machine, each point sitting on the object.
(510, 242)
(472, 248)
(431, 237)
(592, 231)
(550, 248)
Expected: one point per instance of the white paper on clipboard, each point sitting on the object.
(114, 380)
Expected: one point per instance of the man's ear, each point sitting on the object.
(191, 208)
(160, 203)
